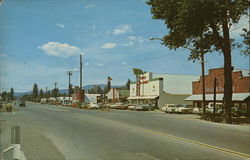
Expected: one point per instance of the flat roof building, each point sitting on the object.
(240, 87)
(160, 89)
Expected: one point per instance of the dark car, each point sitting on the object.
(22, 104)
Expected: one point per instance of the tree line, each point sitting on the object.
(98, 90)
(8, 96)
(37, 94)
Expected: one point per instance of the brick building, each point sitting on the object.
(241, 88)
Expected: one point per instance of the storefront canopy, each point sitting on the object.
(219, 97)
(142, 97)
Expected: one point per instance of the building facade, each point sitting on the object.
(92, 98)
(240, 87)
(116, 95)
(160, 89)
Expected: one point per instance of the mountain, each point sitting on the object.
(62, 91)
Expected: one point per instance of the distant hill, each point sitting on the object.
(62, 91)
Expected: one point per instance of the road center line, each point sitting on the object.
(243, 155)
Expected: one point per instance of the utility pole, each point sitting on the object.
(55, 91)
(46, 96)
(215, 84)
(203, 85)
(201, 53)
(69, 73)
(80, 91)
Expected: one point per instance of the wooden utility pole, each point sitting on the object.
(69, 73)
(203, 86)
(80, 91)
(215, 84)
(55, 91)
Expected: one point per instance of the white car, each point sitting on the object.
(93, 106)
(164, 109)
(184, 108)
(131, 107)
(171, 108)
(197, 110)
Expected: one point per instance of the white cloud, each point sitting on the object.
(124, 63)
(121, 29)
(109, 45)
(99, 64)
(132, 40)
(60, 25)
(89, 5)
(60, 49)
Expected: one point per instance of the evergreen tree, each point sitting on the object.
(128, 84)
(41, 95)
(11, 94)
(35, 91)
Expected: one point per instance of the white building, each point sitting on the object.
(91, 98)
(64, 100)
(161, 89)
(117, 95)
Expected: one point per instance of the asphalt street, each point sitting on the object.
(56, 133)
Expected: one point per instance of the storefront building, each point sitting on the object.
(160, 89)
(240, 86)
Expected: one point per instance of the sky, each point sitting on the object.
(40, 40)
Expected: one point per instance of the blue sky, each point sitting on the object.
(41, 40)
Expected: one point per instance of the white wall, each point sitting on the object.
(148, 87)
(88, 98)
(113, 93)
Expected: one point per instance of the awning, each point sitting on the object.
(219, 97)
(142, 97)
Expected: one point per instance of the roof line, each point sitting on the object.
(177, 74)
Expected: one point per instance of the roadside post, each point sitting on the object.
(15, 148)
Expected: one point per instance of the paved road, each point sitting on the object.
(58, 133)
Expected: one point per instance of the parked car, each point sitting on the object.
(163, 109)
(143, 107)
(131, 107)
(184, 108)
(197, 110)
(22, 104)
(94, 106)
(171, 108)
(121, 106)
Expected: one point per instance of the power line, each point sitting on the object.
(238, 27)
